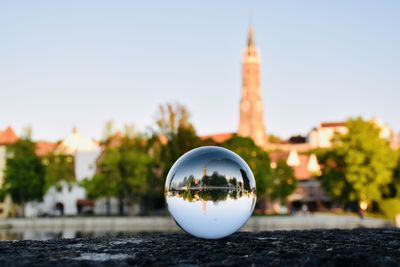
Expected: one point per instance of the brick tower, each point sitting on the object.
(251, 108)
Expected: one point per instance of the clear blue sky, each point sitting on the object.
(81, 63)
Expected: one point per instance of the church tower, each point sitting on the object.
(251, 108)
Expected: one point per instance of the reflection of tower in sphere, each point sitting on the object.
(210, 192)
(204, 170)
(204, 206)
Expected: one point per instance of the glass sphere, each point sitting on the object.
(210, 192)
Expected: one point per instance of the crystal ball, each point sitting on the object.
(210, 192)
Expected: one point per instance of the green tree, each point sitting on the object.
(390, 204)
(105, 182)
(359, 167)
(178, 133)
(394, 186)
(58, 168)
(333, 175)
(122, 172)
(256, 158)
(24, 175)
(171, 117)
(272, 138)
(283, 182)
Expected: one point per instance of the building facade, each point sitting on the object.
(7, 138)
(251, 122)
(321, 136)
(66, 198)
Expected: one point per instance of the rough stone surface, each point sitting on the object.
(359, 247)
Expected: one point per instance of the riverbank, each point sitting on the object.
(70, 227)
(357, 247)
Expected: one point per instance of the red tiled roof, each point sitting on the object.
(44, 148)
(333, 124)
(8, 137)
(218, 138)
(278, 155)
(163, 139)
(115, 140)
(301, 172)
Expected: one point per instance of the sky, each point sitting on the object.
(67, 64)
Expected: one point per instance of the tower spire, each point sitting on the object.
(250, 39)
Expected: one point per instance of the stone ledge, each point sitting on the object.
(358, 247)
(137, 224)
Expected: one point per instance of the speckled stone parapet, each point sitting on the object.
(359, 247)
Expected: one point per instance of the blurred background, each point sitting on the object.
(99, 99)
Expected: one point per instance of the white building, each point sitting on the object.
(66, 198)
(387, 133)
(322, 135)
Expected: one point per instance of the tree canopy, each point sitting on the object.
(359, 167)
(256, 158)
(122, 172)
(283, 182)
(174, 125)
(24, 178)
(58, 167)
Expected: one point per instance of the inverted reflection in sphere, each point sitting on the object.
(210, 192)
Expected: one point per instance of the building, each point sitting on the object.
(387, 133)
(308, 192)
(251, 123)
(67, 198)
(44, 148)
(7, 137)
(321, 136)
(218, 138)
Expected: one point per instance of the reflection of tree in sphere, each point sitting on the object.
(210, 192)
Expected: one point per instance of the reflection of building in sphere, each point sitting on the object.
(204, 206)
(210, 192)
(214, 188)
(246, 181)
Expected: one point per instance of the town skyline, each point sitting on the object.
(53, 80)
